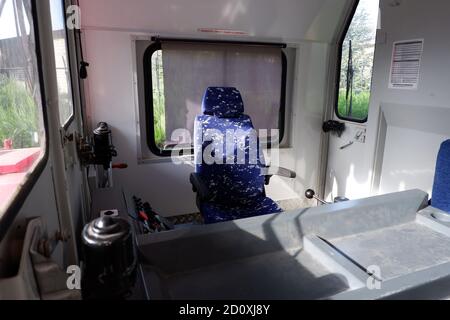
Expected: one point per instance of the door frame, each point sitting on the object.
(333, 71)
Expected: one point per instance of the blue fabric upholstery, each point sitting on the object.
(237, 189)
(219, 212)
(441, 189)
(223, 102)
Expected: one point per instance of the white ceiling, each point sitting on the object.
(287, 20)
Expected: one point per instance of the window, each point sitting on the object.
(177, 74)
(62, 61)
(356, 63)
(159, 106)
(22, 131)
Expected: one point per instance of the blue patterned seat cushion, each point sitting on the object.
(441, 189)
(237, 189)
(223, 102)
(217, 212)
(228, 182)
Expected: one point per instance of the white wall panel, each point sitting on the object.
(164, 185)
(291, 20)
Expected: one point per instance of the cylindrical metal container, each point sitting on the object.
(110, 259)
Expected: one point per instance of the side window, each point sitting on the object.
(22, 133)
(178, 74)
(62, 61)
(159, 106)
(357, 55)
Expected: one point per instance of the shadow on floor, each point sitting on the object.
(224, 261)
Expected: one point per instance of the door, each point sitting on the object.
(71, 124)
(37, 69)
(349, 172)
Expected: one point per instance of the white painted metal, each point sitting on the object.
(402, 141)
(75, 174)
(56, 150)
(287, 20)
(308, 115)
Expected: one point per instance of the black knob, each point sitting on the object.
(334, 126)
(83, 69)
(310, 194)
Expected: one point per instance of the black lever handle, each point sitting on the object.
(83, 69)
(334, 126)
(311, 194)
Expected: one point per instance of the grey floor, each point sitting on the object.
(291, 204)
(278, 275)
(196, 218)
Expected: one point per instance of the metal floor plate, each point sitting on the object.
(398, 250)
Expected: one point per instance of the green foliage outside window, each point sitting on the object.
(357, 62)
(159, 111)
(18, 114)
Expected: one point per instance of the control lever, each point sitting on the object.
(347, 145)
(334, 126)
(120, 166)
(311, 194)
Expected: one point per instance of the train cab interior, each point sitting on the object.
(224, 149)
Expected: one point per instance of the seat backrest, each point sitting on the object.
(227, 179)
(441, 189)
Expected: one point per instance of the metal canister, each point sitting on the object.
(110, 259)
(103, 145)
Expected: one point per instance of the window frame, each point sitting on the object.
(148, 87)
(339, 69)
(69, 120)
(79, 58)
(16, 204)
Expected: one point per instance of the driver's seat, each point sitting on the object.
(227, 191)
